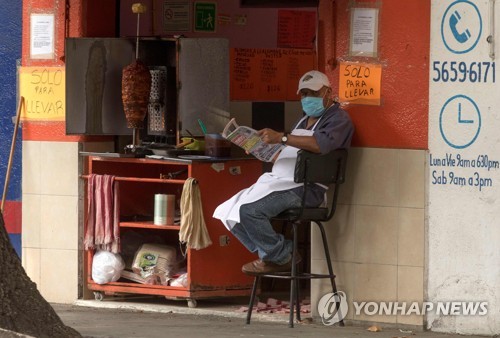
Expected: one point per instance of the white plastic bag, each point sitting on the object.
(180, 281)
(106, 267)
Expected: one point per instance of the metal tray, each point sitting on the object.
(176, 152)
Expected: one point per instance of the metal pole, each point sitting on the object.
(137, 37)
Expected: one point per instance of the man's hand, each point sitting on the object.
(270, 136)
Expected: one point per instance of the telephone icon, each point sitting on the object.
(461, 37)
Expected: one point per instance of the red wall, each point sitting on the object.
(401, 121)
(260, 30)
(404, 38)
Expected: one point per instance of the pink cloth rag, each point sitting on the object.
(102, 225)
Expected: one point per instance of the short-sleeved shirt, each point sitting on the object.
(334, 131)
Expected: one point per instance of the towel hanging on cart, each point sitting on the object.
(102, 228)
(193, 230)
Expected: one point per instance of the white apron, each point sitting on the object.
(280, 178)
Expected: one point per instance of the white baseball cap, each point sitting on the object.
(313, 80)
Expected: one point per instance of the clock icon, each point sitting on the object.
(460, 121)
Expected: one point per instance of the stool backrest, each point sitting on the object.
(326, 169)
(321, 168)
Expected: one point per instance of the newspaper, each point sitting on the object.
(248, 139)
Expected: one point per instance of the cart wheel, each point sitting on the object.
(192, 303)
(98, 295)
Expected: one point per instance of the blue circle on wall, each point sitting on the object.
(461, 27)
(460, 121)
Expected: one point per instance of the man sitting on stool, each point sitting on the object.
(323, 128)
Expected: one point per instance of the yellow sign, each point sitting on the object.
(43, 89)
(360, 83)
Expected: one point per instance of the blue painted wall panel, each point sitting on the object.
(10, 53)
(15, 240)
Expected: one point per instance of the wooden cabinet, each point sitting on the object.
(212, 272)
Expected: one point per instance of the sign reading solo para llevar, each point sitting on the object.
(43, 89)
(360, 83)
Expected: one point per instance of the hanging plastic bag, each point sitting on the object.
(106, 267)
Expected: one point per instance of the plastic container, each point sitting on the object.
(164, 209)
(217, 146)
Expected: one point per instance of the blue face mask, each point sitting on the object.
(312, 106)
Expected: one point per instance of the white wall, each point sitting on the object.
(51, 237)
(463, 234)
(50, 218)
(376, 237)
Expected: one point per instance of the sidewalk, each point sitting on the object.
(150, 318)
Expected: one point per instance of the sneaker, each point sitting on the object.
(259, 266)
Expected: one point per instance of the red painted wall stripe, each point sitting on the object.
(56, 132)
(12, 215)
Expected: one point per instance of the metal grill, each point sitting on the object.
(157, 97)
